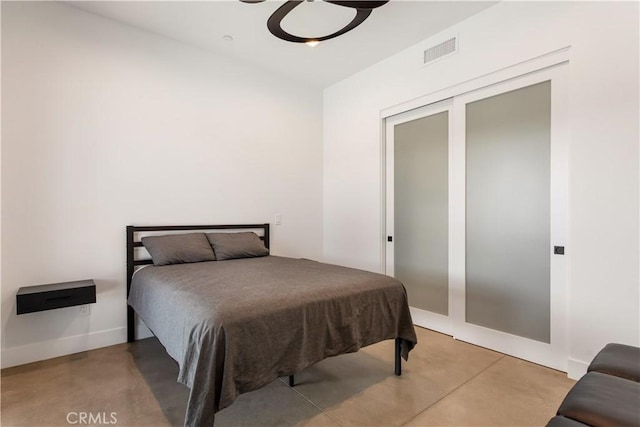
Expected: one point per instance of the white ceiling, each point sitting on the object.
(390, 28)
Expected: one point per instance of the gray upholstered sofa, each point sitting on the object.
(608, 395)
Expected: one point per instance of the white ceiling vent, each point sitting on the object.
(441, 50)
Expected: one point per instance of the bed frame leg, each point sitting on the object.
(291, 381)
(398, 356)
(131, 329)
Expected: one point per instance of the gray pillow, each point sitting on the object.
(178, 248)
(237, 245)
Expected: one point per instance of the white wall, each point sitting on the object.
(105, 125)
(603, 74)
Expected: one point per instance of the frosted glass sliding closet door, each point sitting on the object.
(507, 215)
(418, 209)
(476, 202)
(511, 146)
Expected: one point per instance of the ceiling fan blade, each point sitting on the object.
(358, 4)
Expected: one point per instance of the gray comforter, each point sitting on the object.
(235, 326)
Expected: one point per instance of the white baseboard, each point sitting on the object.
(142, 331)
(576, 368)
(49, 349)
(43, 350)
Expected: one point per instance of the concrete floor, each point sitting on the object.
(445, 383)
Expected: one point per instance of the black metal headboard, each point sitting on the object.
(132, 243)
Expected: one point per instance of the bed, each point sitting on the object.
(236, 325)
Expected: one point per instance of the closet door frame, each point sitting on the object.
(551, 67)
(436, 321)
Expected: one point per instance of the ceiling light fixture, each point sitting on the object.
(363, 10)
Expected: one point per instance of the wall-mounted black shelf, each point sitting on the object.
(56, 295)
